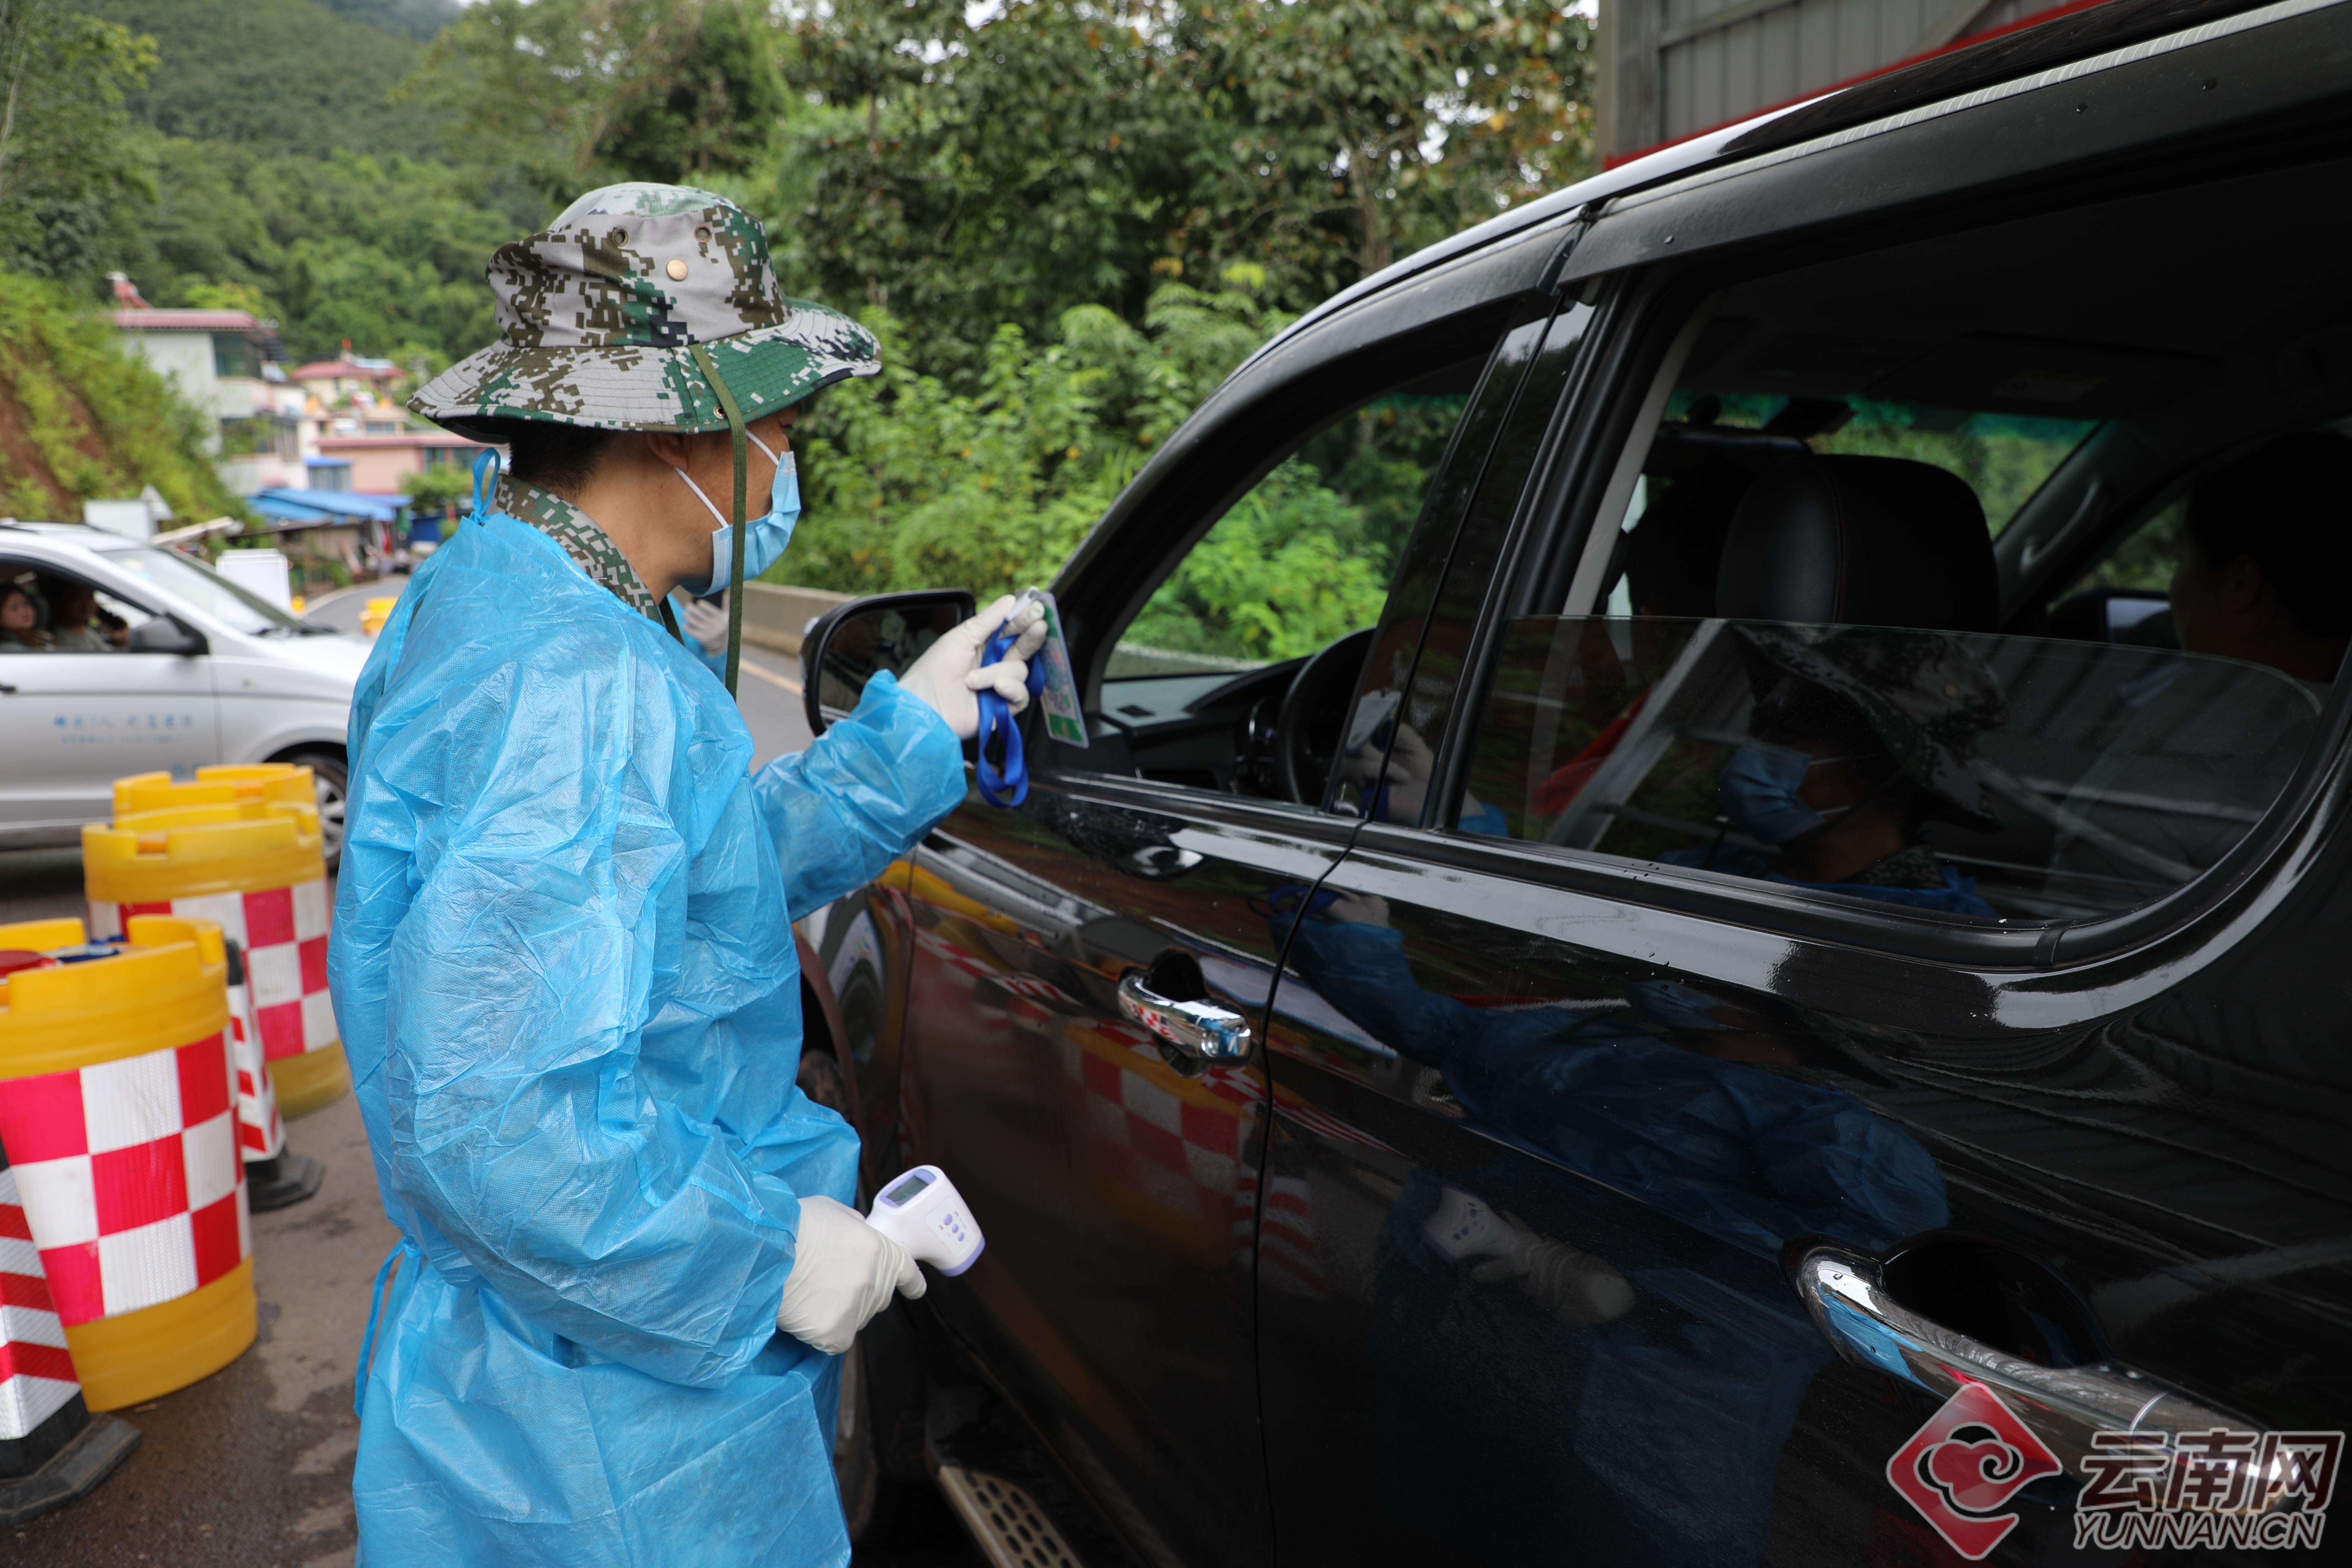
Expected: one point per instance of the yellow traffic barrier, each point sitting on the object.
(116, 1111)
(376, 613)
(220, 785)
(254, 867)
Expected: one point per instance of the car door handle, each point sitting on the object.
(1202, 1030)
(2064, 1405)
(7, 689)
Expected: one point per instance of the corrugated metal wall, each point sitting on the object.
(1671, 68)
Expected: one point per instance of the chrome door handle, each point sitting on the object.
(1199, 1029)
(2062, 1404)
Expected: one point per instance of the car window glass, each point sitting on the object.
(1809, 674)
(206, 590)
(46, 611)
(1964, 773)
(2004, 457)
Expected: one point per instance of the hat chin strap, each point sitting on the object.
(740, 438)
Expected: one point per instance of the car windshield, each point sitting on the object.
(201, 587)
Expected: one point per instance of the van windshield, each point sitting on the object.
(206, 590)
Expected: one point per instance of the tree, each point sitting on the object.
(565, 95)
(911, 482)
(387, 253)
(278, 76)
(65, 159)
(1070, 151)
(1393, 123)
(87, 420)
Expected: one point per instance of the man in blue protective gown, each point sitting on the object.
(563, 960)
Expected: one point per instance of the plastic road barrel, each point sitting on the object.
(254, 868)
(223, 785)
(118, 1112)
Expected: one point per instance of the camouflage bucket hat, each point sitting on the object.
(598, 316)
(1927, 696)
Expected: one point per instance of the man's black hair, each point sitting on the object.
(2287, 505)
(559, 457)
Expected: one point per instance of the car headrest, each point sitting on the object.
(1875, 542)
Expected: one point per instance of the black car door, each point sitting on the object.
(1664, 1178)
(1059, 945)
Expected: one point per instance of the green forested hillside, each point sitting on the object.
(286, 75)
(418, 19)
(385, 252)
(79, 418)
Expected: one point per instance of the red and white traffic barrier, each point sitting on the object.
(129, 1177)
(282, 932)
(36, 1371)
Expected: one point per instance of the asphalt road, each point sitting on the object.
(251, 1467)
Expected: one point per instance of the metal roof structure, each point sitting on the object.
(1672, 69)
(293, 509)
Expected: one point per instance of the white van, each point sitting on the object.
(165, 665)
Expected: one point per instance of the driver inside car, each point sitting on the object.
(2264, 557)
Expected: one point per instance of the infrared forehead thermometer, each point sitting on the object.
(922, 1212)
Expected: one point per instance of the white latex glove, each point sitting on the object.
(949, 671)
(843, 1273)
(706, 623)
(1578, 1288)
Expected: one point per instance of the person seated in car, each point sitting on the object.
(2264, 557)
(20, 621)
(1862, 738)
(78, 628)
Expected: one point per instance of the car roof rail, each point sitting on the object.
(2020, 51)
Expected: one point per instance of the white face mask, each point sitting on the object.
(764, 538)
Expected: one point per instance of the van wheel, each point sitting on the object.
(333, 781)
(856, 1470)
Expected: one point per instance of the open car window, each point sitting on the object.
(1305, 556)
(1301, 560)
(1997, 776)
(44, 610)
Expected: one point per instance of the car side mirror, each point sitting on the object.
(845, 645)
(168, 633)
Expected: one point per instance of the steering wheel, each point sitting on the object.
(1314, 710)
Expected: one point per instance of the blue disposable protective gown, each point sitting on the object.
(564, 970)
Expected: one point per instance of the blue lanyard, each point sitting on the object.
(1010, 786)
(485, 484)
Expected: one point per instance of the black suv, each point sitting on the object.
(1754, 962)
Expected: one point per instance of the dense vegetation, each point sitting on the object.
(78, 418)
(386, 253)
(288, 76)
(1068, 218)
